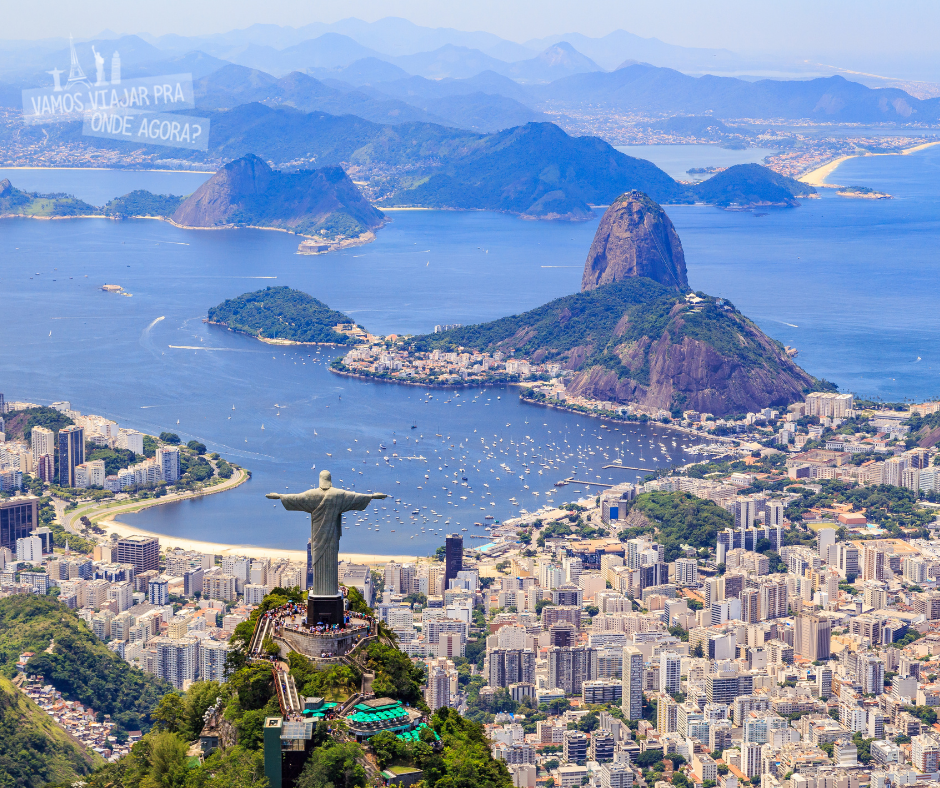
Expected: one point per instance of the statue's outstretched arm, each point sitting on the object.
(273, 496)
(379, 496)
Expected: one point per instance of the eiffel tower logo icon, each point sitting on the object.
(76, 75)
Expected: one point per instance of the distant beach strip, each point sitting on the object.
(817, 177)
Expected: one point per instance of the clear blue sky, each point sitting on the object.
(810, 27)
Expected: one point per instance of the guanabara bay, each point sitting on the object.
(518, 395)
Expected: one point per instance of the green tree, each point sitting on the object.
(166, 761)
(170, 437)
(335, 765)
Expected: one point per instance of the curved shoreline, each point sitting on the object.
(249, 551)
(106, 514)
(555, 406)
(817, 177)
(102, 511)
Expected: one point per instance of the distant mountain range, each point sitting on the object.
(647, 89)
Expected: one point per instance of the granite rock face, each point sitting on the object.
(635, 238)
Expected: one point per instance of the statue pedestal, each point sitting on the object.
(327, 610)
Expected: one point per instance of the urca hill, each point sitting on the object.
(637, 334)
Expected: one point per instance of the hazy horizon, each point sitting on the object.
(864, 28)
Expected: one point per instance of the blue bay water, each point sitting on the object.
(677, 160)
(848, 282)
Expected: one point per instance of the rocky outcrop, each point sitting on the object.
(247, 192)
(635, 238)
(695, 375)
(637, 341)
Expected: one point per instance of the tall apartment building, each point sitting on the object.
(569, 668)
(18, 517)
(829, 405)
(750, 606)
(725, 686)
(511, 666)
(141, 551)
(928, 604)
(925, 753)
(666, 714)
(870, 673)
(812, 635)
(686, 571)
(616, 775)
(158, 592)
(873, 563)
(438, 692)
(168, 460)
(846, 559)
(219, 585)
(773, 601)
(42, 441)
(212, 657)
(71, 453)
(632, 683)
(177, 660)
(453, 558)
(670, 668)
(575, 747)
(602, 746)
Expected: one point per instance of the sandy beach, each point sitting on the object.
(250, 551)
(817, 177)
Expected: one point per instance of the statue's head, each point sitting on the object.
(326, 480)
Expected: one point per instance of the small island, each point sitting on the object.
(284, 316)
(862, 193)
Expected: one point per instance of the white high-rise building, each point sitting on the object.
(122, 594)
(670, 668)
(239, 567)
(29, 549)
(616, 775)
(212, 657)
(686, 571)
(131, 440)
(43, 442)
(168, 460)
(437, 694)
(177, 660)
(632, 683)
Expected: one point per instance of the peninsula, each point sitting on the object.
(634, 337)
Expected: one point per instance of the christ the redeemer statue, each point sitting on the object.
(326, 505)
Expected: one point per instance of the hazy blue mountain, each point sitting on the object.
(133, 50)
(197, 63)
(557, 61)
(331, 50)
(367, 71)
(481, 111)
(411, 88)
(449, 61)
(538, 171)
(235, 85)
(645, 88)
(611, 50)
